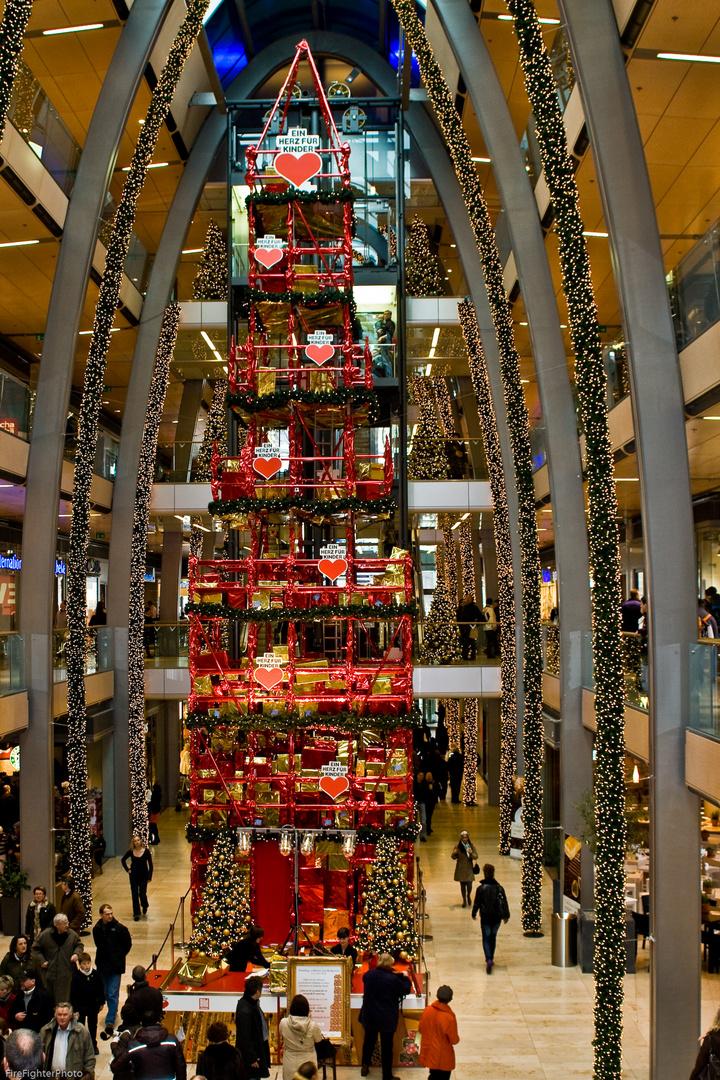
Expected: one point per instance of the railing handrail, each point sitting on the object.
(171, 932)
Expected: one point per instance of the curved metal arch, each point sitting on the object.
(563, 449)
(47, 443)
(422, 127)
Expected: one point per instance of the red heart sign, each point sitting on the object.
(319, 354)
(297, 168)
(332, 568)
(269, 677)
(267, 466)
(333, 785)
(268, 256)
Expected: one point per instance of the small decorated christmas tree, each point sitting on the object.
(211, 280)
(387, 923)
(441, 637)
(423, 276)
(224, 913)
(428, 460)
(215, 431)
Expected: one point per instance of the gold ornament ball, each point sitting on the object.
(396, 881)
(399, 935)
(391, 913)
(403, 955)
(404, 922)
(216, 914)
(226, 932)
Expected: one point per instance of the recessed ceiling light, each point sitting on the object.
(208, 342)
(688, 56)
(710, 417)
(192, 251)
(543, 22)
(524, 380)
(436, 335)
(113, 330)
(627, 479)
(19, 243)
(589, 233)
(487, 160)
(218, 357)
(73, 29)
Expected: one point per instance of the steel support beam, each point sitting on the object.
(47, 444)
(556, 400)
(657, 401)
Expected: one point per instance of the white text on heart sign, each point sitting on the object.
(297, 139)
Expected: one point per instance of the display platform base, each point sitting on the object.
(193, 1009)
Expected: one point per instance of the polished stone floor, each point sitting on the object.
(526, 1021)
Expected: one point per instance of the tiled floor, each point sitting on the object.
(526, 1021)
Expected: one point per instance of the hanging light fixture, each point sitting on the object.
(308, 843)
(348, 844)
(243, 838)
(287, 842)
(636, 775)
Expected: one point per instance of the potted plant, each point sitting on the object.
(12, 882)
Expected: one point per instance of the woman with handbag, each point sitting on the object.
(299, 1034)
(707, 1066)
(465, 855)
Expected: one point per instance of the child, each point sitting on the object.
(86, 995)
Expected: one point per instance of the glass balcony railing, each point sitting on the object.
(99, 654)
(33, 115)
(16, 407)
(694, 287)
(12, 663)
(483, 649)
(704, 689)
(635, 668)
(177, 463)
(166, 644)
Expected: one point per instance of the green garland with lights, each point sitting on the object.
(441, 636)
(284, 503)
(211, 279)
(467, 564)
(518, 427)
(452, 724)
(469, 783)
(422, 266)
(12, 32)
(281, 198)
(318, 613)
(356, 396)
(300, 723)
(441, 390)
(506, 590)
(366, 834)
(450, 558)
(80, 852)
(609, 960)
(136, 619)
(326, 298)
(427, 460)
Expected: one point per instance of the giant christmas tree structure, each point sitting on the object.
(300, 647)
(387, 924)
(224, 914)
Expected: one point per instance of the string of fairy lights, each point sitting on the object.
(441, 635)
(506, 591)
(427, 460)
(467, 563)
(470, 724)
(452, 723)
(87, 440)
(136, 620)
(609, 960)
(12, 32)
(518, 428)
(443, 401)
(450, 558)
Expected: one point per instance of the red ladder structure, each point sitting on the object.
(300, 650)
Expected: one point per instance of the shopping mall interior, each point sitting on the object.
(283, 528)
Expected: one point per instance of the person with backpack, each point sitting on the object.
(707, 626)
(491, 902)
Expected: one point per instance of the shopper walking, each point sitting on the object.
(710, 1045)
(491, 630)
(251, 1030)
(299, 1034)
(16, 959)
(138, 863)
(219, 1060)
(153, 1054)
(383, 990)
(429, 798)
(71, 904)
(491, 902)
(630, 613)
(39, 915)
(112, 943)
(154, 808)
(456, 765)
(33, 1006)
(67, 1045)
(465, 855)
(439, 1034)
(468, 616)
(87, 996)
(54, 954)
(143, 997)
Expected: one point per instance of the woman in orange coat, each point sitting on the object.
(438, 1036)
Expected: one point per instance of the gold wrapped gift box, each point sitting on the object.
(370, 471)
(306, 280)
(321, 380)
(232, 465)
(273, 705)
(266, 379)
(214, 795)
(333, 920)
(398, 763)
(200, 970)
(312, 929)
(207, 597)
(236, 707)
(382, 685)
(202, 684)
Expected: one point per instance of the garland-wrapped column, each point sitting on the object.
(136, 620)
(87, 438)
(469, 784)
(506, 593)
(518, 426)
(609, 961)
(12, 31)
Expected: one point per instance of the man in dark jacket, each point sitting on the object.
(32, 1007)
(491, 902)
(153, 1054)
(468, 615)
(382, 990)
(251, 1030)
(143, 997)
(113, 943)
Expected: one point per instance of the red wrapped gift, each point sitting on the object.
(237, 596)
(377, 704)
(375, 753)
(311, 894)
(210, 661)
(313, 757)
(336, 888)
